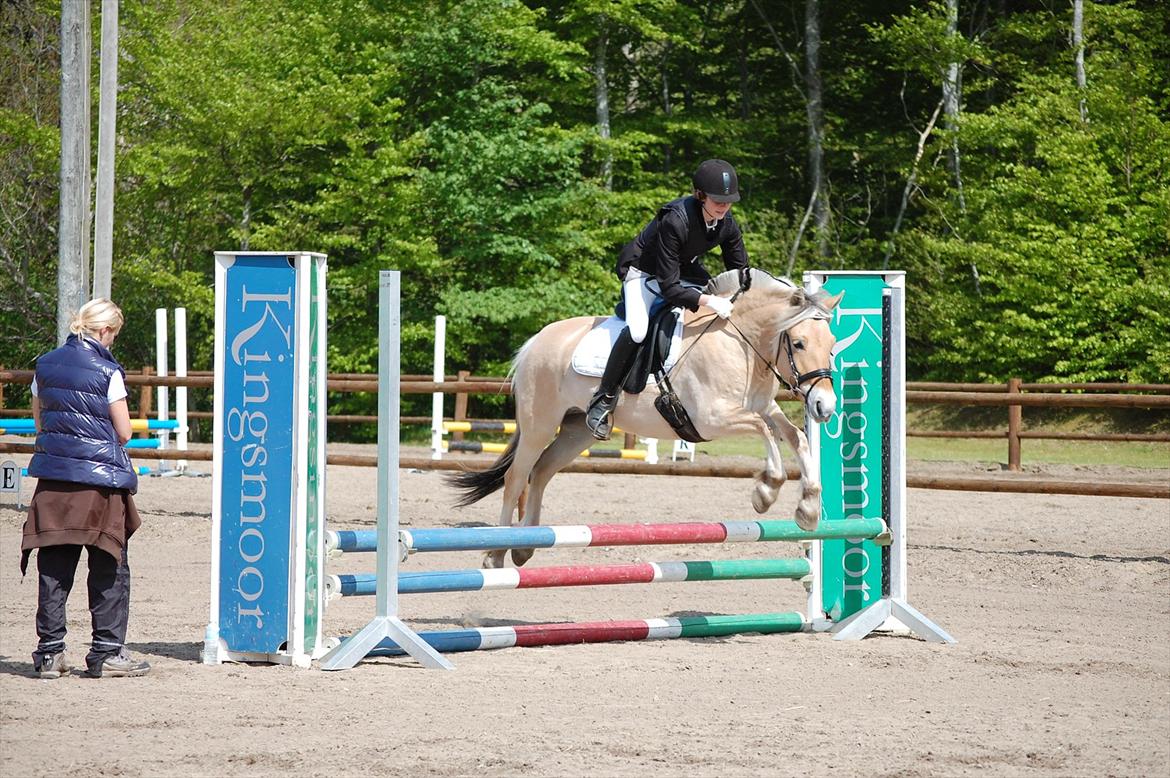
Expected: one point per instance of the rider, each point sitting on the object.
(663, 264)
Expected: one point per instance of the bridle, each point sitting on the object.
(784, 343)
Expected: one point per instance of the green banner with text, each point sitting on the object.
(852, 445)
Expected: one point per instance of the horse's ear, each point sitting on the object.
(833, 301)
(797, 300)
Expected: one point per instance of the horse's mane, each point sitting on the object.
(812, 303)
(727, 282)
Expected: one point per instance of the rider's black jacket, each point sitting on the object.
(671, 247)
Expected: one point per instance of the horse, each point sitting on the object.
(728, 377)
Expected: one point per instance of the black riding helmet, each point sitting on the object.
(716, 179)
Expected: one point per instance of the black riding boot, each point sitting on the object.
(599, 419)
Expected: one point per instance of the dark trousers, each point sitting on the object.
(109, 599)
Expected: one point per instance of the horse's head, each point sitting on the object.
(799, 322)
(809, 346)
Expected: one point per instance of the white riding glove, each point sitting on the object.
(721, 305)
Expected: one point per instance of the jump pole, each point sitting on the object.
(858, 587)
(181, 391)
(386, 623)
(162, 348)
(358, 584)
(163, 402)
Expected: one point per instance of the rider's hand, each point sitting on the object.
(721, 305)
(745, 279)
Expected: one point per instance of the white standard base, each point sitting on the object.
(355, 648)
(890, 614)
(216, 652)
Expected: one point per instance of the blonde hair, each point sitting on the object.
(95, 316)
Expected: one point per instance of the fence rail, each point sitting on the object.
(1011, 484)
(1014, 395)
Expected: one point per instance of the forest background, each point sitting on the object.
(1013, 157)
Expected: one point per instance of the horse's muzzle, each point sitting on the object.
(821, 403)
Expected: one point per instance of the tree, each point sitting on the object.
(30, 91)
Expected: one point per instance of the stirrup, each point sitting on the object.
(599, 418)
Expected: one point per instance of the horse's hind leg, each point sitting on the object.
(574, 438)
(515, 483)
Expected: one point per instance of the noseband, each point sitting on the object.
(815, 376)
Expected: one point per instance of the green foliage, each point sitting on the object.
(30, 145)
(1056, 268)
(457, 142)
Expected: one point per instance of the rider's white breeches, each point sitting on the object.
(638, 298)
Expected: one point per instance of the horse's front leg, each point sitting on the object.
(769, 481)
(808, 509)
(726, 421)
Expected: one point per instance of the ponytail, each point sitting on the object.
(95, 316)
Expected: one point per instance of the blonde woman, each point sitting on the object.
(84, 493)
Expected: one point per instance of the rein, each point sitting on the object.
(785, 342)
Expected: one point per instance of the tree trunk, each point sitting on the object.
(246, 219)
(816, 122)
(745, 76)
(911, 182)
(1079, 48)
(103, 231)
(602, 98)
(73, 229)
(952, 100)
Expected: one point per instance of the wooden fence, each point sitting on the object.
(1013, 395)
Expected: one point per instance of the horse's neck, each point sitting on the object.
(760, 323)
(754, 341)
(764, 322)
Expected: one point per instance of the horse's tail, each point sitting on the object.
(477, 484)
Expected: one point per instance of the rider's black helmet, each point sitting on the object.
(717, 179)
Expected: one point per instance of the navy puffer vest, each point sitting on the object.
(77, 441)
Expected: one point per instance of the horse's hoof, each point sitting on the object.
(762, 498)
(493, 560)
(807, 520)
(521, 555)
(766, 491)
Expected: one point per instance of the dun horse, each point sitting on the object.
(728, 379)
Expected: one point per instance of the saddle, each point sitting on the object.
(651, 359)
(652, 351)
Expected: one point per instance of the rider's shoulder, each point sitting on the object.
(677, 213)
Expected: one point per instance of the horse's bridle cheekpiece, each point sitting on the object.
(814, 375)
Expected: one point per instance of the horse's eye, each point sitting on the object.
(798, 345)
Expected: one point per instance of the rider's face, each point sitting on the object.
(715, 211)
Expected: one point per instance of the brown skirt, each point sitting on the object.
(64, 513)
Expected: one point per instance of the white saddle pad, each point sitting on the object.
(592, 352)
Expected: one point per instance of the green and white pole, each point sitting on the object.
(861, 456)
